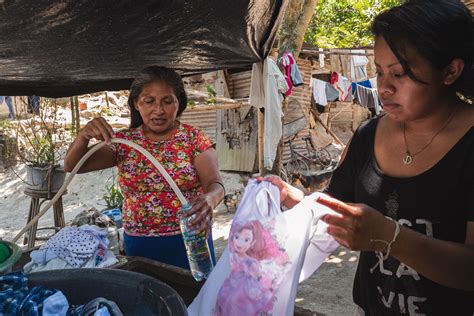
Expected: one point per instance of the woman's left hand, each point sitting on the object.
(356, 224)
(202, 210)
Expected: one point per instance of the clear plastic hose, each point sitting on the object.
(89, 153)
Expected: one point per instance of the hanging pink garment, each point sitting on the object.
(286, 62)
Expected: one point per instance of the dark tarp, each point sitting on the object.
(69, 47)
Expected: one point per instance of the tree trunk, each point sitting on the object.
(297, 17)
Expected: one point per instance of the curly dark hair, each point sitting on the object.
(439, 30)
(151, 74)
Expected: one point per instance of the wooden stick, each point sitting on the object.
(328, 130)
(204, 108)
(192, 93)
(261, 140)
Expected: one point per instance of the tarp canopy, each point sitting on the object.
(61, 48)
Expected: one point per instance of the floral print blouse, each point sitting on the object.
(150, 206)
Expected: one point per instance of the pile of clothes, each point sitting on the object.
(73, 247)
(86, 245)
(17, 299)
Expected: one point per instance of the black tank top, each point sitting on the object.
(438, 203)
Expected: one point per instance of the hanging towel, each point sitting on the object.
(268, 253)
(373, 82)
(319, 92)
(343, 86)
(358, 65)
(295, 72)
(267, 88)
(369, 98)
(321, 58)
(286, 63)
(331, 93)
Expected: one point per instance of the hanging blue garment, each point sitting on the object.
(365, 83)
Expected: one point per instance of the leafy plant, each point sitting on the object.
(212, 95)
(191, 104)
(345, 24)
(40, 138)
(114, 197)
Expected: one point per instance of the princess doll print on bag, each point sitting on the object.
(257, 266)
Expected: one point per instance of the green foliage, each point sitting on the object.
(114, 197)
(45, 150)
(345, 24)
(191, 104)
(5, 124)
(105, 111)
(210, 91)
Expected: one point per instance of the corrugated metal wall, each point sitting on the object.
(237, 138)
(239, 84)
(205, 120)
(299, 104)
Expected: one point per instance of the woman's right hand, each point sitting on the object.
(289, 195)
(99, 129)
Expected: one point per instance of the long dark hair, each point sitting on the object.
(151, 74)
(439, 30)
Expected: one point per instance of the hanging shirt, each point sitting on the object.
(358, 65)
(268, 86)
(319, 92)
(369, 98)
(343, 86)
(286, 63)
(268, 253)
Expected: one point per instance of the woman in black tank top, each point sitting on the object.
(405, 187)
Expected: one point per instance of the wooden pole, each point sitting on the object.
(328, 130)
(261, 140)
(76, 116)
(196, 93)
(73, 118)
(204, 108)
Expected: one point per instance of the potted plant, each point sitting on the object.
(40, 145)
(114, 200)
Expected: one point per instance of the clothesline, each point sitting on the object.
(328, 52)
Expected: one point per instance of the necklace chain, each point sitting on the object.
(408, 159)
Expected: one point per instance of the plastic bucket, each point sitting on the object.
(114, 214)
(6, 266)
(134, 293)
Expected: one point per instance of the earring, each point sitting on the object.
(463, 98)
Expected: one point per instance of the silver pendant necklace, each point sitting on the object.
(408, 159)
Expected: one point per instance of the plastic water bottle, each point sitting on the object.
(197, 248)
